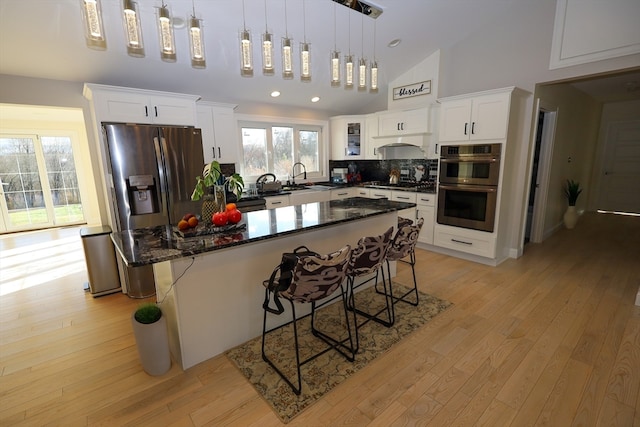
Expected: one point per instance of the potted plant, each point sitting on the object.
(212, 187)
(571, 190)
(152, 339)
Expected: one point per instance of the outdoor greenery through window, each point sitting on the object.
(271, 148)
(39, 182)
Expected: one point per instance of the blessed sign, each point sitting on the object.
(416, 89)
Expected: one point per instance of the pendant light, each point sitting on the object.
(267, 47)
(348, 64)
(305, 53)
(335, 55)
(246, 51)
(196, 41)
(93, 28)
(133, 32)
(165, 32)
(287, 45)
(373, 88)
(362, 64)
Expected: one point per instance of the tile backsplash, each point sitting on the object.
(419, 170)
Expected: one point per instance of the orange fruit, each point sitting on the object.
(231, 206)
(183, 225)
(193, 221)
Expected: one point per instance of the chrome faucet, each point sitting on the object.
(293, 172)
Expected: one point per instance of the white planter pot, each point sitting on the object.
(152, 341)
(570, 217)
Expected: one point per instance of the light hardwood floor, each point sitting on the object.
(552, 338)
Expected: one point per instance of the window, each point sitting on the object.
(275, 148)
(39, 182)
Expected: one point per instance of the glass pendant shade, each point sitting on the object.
(246, 54)
(133, 32)
(196, 44)
(362, 74)
(267, 54)
(93, 28)
(335, 68)
(374, 77)
(165, 32)
(287, 58)
(348, 68)
(305, 62)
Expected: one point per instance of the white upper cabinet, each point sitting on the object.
(219, 134)
(126, 105)
(403, 122)
(348, 137)
(480, 117)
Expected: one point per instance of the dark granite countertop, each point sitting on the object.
(157, 244)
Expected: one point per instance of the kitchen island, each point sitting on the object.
(210, 287)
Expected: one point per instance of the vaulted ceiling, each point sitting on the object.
(44, 39)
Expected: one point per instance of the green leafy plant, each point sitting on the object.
(211, 175)
(572, 190)
(147, 313)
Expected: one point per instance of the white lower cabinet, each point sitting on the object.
(343, 193)
(426, 208)
(376, 193)
(309, 196)
(463, 240)
(273, 202)
(407, 197)
(362, 192)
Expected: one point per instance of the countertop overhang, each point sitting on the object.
(158, 244)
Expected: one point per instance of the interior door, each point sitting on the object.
(620, 179)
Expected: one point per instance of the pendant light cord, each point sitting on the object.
(266, 24)
(286, 29)
(304, 21)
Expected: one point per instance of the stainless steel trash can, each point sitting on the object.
(100, 257)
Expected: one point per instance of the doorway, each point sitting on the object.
(620, 174)
(540, 170)
(39, 182)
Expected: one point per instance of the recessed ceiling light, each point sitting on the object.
(315, 99)
(275, 94)
(178, 22)
(394, 43)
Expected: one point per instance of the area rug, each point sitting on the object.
(329, 370)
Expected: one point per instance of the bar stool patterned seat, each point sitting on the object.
(314, 279)
(367, 259)
(402, 246)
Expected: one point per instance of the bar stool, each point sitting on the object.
(402, 246)
(366, 259)
(314, 278)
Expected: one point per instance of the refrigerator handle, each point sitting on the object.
(160, 150)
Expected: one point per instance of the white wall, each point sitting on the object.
(515, 53)
(428, 69)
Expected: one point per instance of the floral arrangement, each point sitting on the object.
(572, 190)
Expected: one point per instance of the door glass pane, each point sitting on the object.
(282, 150)
(61, 171)
(254, 146)
(309, 150)
(21, 184)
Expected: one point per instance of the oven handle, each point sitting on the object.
(471, 160)
(476, 188)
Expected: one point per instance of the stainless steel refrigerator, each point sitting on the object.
(153, 171)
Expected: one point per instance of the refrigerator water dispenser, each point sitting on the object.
(142, 194)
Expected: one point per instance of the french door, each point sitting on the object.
(39, 182)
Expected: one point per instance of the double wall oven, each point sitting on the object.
(468, 185)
